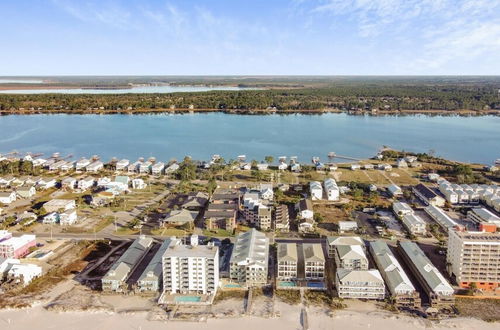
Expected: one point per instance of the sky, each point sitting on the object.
(250, 37)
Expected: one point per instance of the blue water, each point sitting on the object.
(136, 90)
(167, 136)
(187, 299)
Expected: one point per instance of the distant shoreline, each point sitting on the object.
(464, 112)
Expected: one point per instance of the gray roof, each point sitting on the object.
(350, 252)
(359, 276)
(122, 267)
(427, 270)
(344, 240)
(179, 250)
(393, 273)
(485, 215)
(287, 252)
(251, 247)
(180, 216)
(153, 270)
(313, 252)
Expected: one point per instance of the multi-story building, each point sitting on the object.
(414, 224)
(222, 210)
(440, 216)
(435, 286)
(314, 261)
(359, 284)
(17, 247)
(116, 277)
(400, 287)
(331, 189)
(249, 261)
(474, 257)
(287, 262)
(315, 190)
(281, 218)
(401, 209)
(256, 210)
(190, 269)
(482, 215)
(333, 241)
(428, 196)
(351, 257)
(150, 280)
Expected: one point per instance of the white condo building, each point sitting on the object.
(249, 261)
(331, 189)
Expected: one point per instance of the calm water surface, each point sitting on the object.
(472, 139)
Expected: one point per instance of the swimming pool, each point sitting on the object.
(187, 299)
(287, 284)
(315, 285)
(232, 286)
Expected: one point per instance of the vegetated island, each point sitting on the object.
(355, 95)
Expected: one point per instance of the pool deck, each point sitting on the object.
(186, 299)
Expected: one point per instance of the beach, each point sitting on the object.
(351, 318)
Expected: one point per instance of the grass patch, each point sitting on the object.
(484, 309)
(322, 298)
(217, 233)
(291, 297)
(169, 232)
(223, 295)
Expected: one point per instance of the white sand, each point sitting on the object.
(39, 318)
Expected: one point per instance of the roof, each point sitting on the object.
(350, 252)
(425, 191)
(427, 270)
(315, 185)
(181, 216)
(401, 207)
(122, 267)
(359, 276)
(305, 204)
(287, 252)
(154, 269)
(440, 216)
(251, 247)
(485, 215)
(394, 188)
(17, 242)
(185, 251)
(394, 275)
(413, 220)
(313, 252)
(344, 240)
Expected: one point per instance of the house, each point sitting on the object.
(6, 181)
(333, 167)
(395, 190)
(46, 183)
(355, 167)
(305, 209)
(266, 191)
(122, 164)
(158, 168)
(256, 210)
(287, 260)
(350, 257)
(400, 209)
(282, 166)
(115, 279)
(7, 197)
(138, 184)
(68, 183)
(401, 163)
(95, 167)
(331, 189)
(67, 166)
(315, 190)
(57, 165)
(134, 167)
(26, 218)
(333, 241)
(17, 247)
(81, 164)
(369, 166)
(436, 287)
(345, 226)
(103, 182)
(86, 183)
(19, 181)
(65, 218)
(428, 196)
(145, 167)
(179, 218)
(195, 202)
(23, 273)
(57, 205)
(414, 224)
(250, 258)
(384, 167)
(26, 191)
(172, 168)
(433, 176)
(400, 287)
(359, 284)
(39, 162)
(263, 166)
(295, 167)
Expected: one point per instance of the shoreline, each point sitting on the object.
(464, 113)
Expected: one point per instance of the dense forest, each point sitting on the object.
(383, 94)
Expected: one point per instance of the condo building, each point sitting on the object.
(249, 260)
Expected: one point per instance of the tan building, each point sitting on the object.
(474, 257)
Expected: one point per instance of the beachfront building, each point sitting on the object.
(150, 280)
(474, 257)
(68, 183)
(59, 205)
(145, 167)
(400, 287)
(222, 210)
(333, 241)
(440, 216)
(122, 164)
(350, 257)
(359, 284)
(190, 269)
(281, 218)
(435, 286)
(315, 190)
(482, 216)
(414, 224)
(17, 247)
(314, 261)
(401, 209)
(46, 183)
(86, 183)
(428, 196)
(138, 184)
(81, 164)
(157, 168)
(23, 274)
(115, 279)
(249, 260)
(331, 189)
(287, 262)
(134, 167)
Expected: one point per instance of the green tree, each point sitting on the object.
(269, 159)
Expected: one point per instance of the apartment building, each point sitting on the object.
(314, 261)
(351, 257)
(287, 262)
(281, 218)
(333, 241)
(190, 269)
(257, 211)
(414, 224)
(150, 280)
(440, 216)
(249, 261)
(16, 247)
(331, 189)
(436, 287)
(359, 284)
(482, 215)
(474, 257)
(400, 287)
(315, 190)
(115, 279)
(401, 209)
(222, 210)
(428, 196)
